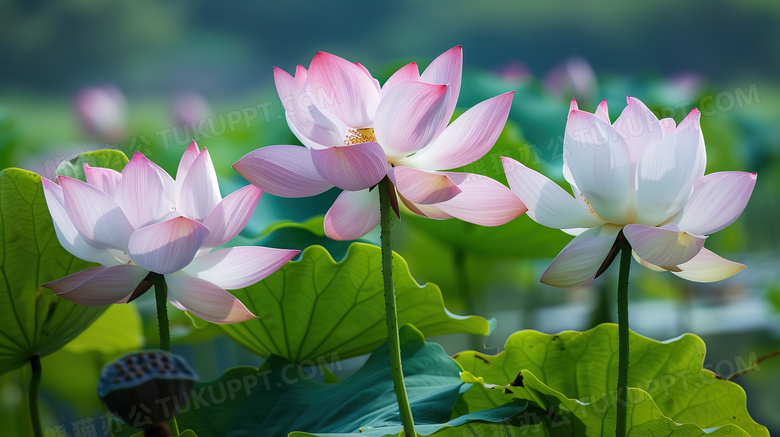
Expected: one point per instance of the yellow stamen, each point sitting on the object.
(590, 208)
(356, 136)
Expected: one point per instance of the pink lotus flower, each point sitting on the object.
(102, 112)
(190, 108)
(141, 220)
(356, 132)
(574, 76)
(644, 177)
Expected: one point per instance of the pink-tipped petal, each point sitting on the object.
(142, 192)
(353, 215)
(238, 267)
(421, 186)
(168, 246)
(352, 95)
(707, 266)
(285, 171)
(664, 246)
(482, 201)
(353, 167)
(409, 116)
(666, 174)
(638, 126)
(96, 216)
(580, 260)
(446, 69)
(305, 119)
(185, 163)
(668, 125)
(407, 72)
(547, 203)
(368, 73)
(99, 285)
(573, 106)
(231, 215)
(602, 111)
(206, 300)
(67, 235)
(468, 138)
(597, 159)
(717, 201)
(199, 193)
(301, 75)
(105, 179)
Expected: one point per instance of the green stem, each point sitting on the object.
(161, 297)
(622, 300)
(392, 314)
(35, 381)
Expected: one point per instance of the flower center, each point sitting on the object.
(356, 136)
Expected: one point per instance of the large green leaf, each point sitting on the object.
(34, 321)
(317, 308)
(118, 330)
(583, 366)
(596, 417)
(280, 399)
(393, 427)
(109, 158)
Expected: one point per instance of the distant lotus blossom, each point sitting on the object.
(190, 108)
(141, 220)
(683, 87)
(102, 112)
(573, 76)
(514, 71)
(356, 132)
(644, 177)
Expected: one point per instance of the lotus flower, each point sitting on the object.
(102, 112)
(190, 108)
(356, 132)
(574, 75)
(644, 177)
(141, 220)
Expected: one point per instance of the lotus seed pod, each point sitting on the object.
(144, 388)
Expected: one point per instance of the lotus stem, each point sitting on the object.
(35, 381)
(392, 314)
(161, 297)
(622, 304)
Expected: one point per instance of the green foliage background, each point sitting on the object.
(225, 51)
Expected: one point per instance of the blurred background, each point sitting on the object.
(150, 76)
